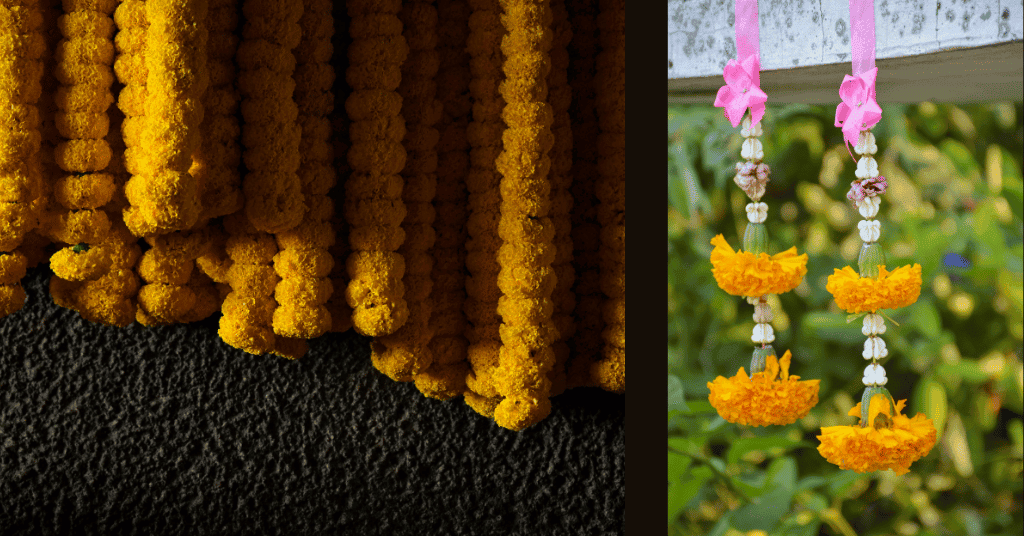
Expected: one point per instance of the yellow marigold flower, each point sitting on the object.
(742, 273)
(764, 398)
(890, 442)
(891, 290)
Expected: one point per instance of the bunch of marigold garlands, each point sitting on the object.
(447, 177)
(884, 438)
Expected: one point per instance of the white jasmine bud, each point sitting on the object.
(763, 334)
(874, 348)
(874, 375)
(870, 230)
(753, 300)
(868, 207)
(866, 167)
(752, 149)
(763, 313)
(757, 212)
(873, 325)
(866, 143)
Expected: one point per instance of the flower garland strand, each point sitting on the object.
(406, 352)
(248, 310)
(445, 378)
(560, 96)
(484, 199)
(586, 344)
(885, 439)
(373, 193)
(303, 261)
(216, 163)
(270, 135)
(83, 63)
(164, 196)
(341, 313)
(526, 278)
(20, 168)
(610, 372)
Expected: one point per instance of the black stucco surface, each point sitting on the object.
(170, 431)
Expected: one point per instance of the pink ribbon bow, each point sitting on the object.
(741, 91)
(858, 111)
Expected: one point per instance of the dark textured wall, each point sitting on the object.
(171, 431)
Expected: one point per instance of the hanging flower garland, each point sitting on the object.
(406, 352)
(760, 400)
(610, 372)
(586, 343)
(83, 59)
(248, 311)
(373, 193)
(337, 304)
(526, 279)
(20, 76)
(885, 439)
(560, 97)
(304, 262)
(484, 200)
(445, 378)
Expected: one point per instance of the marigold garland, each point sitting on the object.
(484, 200)
(890, 442)
(610, 372)
(742, 273)
(20, 86)
(373, 203)
(772, 397)
(587, 342)
(890, 290)
(304, 262)
(248, 311)
(406, 352)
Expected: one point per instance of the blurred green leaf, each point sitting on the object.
(930, 399)
(747, 444)
(926, 318)
(764, 514)
(676, 401)
(830, 327)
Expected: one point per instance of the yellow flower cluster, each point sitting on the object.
(560, 97)
(406, 352)
(373, 193)
(215, 164)
(271, 135)
(587, 343)
(766, 398)
(610, 371)
(83, 67)
(890, 290)
(304, 261)
(163, 194)
(526, 278)
(742, 273)
(21, 71)
(892, 441)
(107, 299)
(484, 200)
(445, 378)
(248, 311)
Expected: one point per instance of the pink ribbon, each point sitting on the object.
(859, 110)
(743, 77)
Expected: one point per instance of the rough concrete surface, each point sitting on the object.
(171, 431)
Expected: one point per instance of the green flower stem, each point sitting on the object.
(755, 238)
(724, 477)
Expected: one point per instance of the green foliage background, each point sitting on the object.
(955, 188)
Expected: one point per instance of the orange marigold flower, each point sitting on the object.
(890, 442)
(891, 290)
(742, 273)
(764, 398)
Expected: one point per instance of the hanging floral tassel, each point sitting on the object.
(885, 439)
(764, 398)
